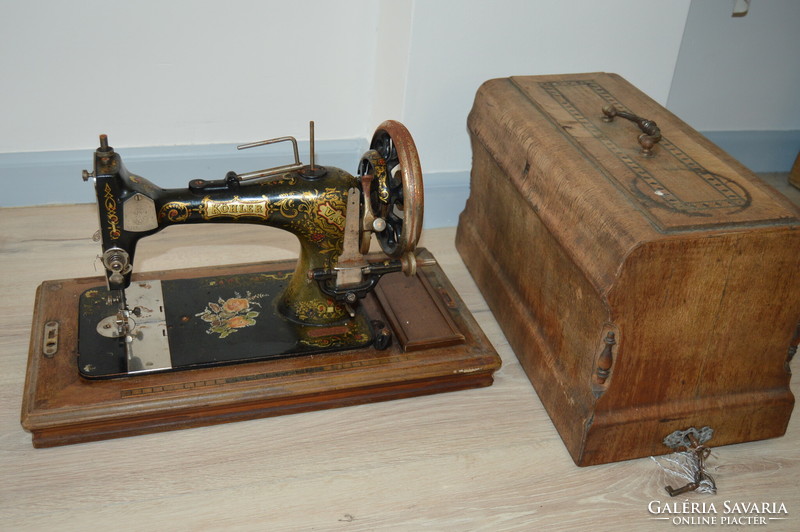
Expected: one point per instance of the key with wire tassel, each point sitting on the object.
(696, 454)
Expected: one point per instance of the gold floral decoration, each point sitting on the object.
(227, 316)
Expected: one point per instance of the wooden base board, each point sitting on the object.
(438, 347)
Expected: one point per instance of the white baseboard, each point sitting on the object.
(39, 178)
(760, 151)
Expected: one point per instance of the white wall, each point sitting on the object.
(168, 73)
(165, 72)
(739, 73)
(458, 44)
(391, 60)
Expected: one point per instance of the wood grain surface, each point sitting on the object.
(485, 459)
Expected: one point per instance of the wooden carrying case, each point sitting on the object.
(642, 295)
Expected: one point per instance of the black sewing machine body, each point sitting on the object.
(153, 326)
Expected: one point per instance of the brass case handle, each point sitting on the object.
(651, 134)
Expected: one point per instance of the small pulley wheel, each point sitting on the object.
(396, 193)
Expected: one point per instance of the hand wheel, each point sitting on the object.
(396, 193)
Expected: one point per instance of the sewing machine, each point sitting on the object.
(156, 327)
(136, 352)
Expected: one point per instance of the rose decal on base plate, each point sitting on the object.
(226, 316)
